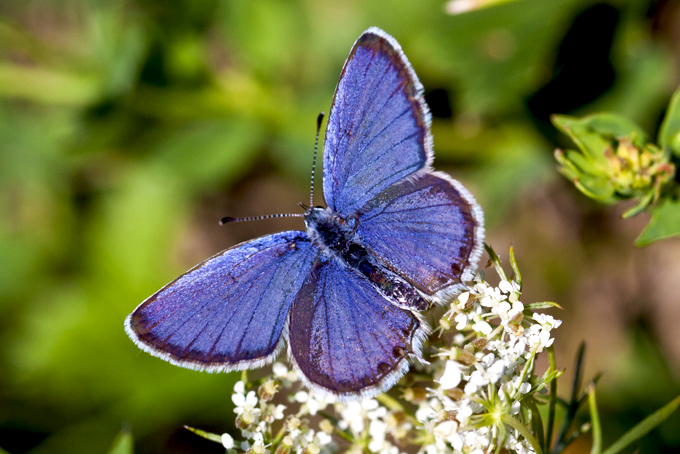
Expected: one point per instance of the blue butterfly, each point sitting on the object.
(346, 293)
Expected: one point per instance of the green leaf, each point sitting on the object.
(644, 427)
(123, 444)
(207, 435)
(595, 421)
(665, 223)
(669, 134)
(496, 261)
(581, 163)
(594, 133)
(597, 188)
(542, 305)
(615, 126)
(591, 144)
(515, 267)
(640, 207)
(552, 403)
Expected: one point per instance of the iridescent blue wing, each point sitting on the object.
(230, 311)
(345, 338)
(429, 230)
(378, 130)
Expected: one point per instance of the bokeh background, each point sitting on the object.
(129, 127)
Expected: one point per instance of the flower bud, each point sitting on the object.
(257, 448)
(479, 343)
(415, 394)
(455, 393)
(285, 446)
(326, 426)
(311, 448)
(245, 420)
(267, 390)
(465, 357)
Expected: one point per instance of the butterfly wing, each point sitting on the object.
(345, 338)
(230, 311)
(429, 230)
(378, 131)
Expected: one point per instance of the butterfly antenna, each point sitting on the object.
(227, 219)
(319, 119)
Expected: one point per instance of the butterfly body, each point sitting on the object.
(337, 238)
(344, 294)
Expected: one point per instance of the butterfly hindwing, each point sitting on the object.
(347, 339)
(378, 128)
(428, 230)
(230, 311)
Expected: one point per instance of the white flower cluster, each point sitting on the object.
(256, 416)
(368, 417)
(486, 372)
(476, 395)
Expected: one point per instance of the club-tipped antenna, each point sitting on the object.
(319, 119)
(227, 219)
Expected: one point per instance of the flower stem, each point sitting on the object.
(552, 402)
(523, 430)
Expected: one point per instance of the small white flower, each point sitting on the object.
(505, 286)
(524, 388)
(280, 370)
(376, 432)
(424, 413)
(464, 414)
(431, 449)
(244, 402)
(301, 396)
(496, 371)
(488, 360)
(313, 406)
(463, 299)
(452, 375)
(277, 413)
(258, 438)
(482, 327)
(370, 404)
(352, 417)
(446, 429)
(227, 441)
(377, 414)
(461, 320)
(323, 439)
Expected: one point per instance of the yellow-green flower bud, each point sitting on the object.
(268, 389)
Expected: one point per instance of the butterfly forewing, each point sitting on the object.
(378, 128)
(230, 311)
(345, 337)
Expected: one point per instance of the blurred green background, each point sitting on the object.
(128, 128)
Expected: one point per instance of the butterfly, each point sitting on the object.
(345, 295)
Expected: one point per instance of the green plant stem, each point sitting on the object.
(522, 429)
(553, 401)
(643, 427)
(595, 421)
(574, 401)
